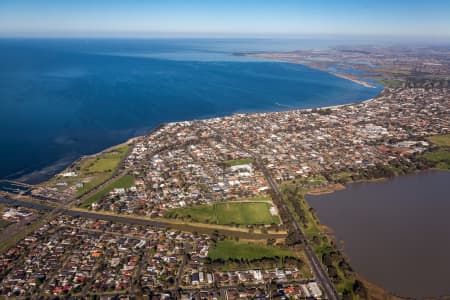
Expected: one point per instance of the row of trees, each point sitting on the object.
(336, 265)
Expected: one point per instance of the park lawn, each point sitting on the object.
(103, 162)
(438, 156)
(94, 170)
(106, 164)
(201, 213)
(259, 198)
(440, 140)
(441, 156)
(244, 213)
(101, 167)
(95, 181)
(228, 250)
(237, 162)
(238, 213)
(441, 159)
(443, 166)
(123, 182)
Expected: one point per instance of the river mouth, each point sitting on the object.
(396, 233)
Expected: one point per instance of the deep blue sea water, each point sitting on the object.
(60, 99)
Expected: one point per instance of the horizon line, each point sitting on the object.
(212, 35)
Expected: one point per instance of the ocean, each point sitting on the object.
(64, 98)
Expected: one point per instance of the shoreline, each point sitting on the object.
(160, 125)
(339, 186)
(348, 77)
(340, 244)
(48, 172)
(353, 79)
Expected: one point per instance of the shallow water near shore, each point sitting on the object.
(396, 232)
(60, 99)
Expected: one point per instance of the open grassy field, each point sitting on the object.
(243, 234)
(238, 213)
(93, 170)
(440, 140)
(259, 198)
(441, 159)
(101, 167)
(438, 156)
(123, 182)
(229, 249)
(236, 162)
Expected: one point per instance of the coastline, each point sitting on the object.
(160, 125)
(353, 79)
(255, 90)
(342, 105)
(348, 77)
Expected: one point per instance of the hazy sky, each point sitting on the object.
(407, 18)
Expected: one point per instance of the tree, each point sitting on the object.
(359, 289)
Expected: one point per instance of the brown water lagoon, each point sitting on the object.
(396, 233)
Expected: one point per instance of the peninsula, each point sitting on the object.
(391, 66)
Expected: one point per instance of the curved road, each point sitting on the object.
(318, 269)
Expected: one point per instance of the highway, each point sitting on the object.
(318, 269)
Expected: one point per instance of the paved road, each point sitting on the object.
(53, 211)
(318, 269)
(187, 249)
(130, 220)
(12, 229)
(50, 213)
(224, 288)
(86, 214)
(98, 188)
